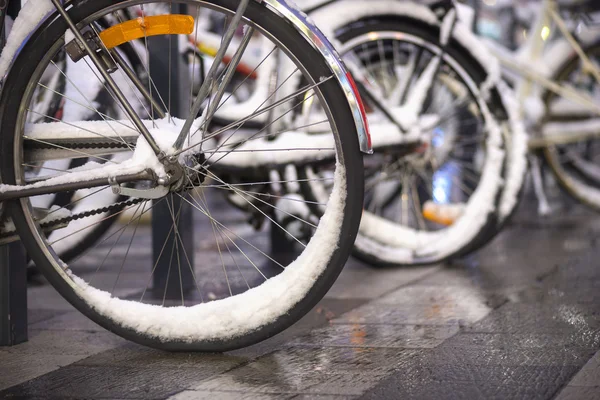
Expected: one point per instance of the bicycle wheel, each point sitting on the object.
(575, 163)
(434, 203)
(235, 293)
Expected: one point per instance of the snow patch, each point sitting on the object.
(516, 153)
(30, 16)
(234, 316)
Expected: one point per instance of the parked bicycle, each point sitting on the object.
(151, 157)
(555, 73)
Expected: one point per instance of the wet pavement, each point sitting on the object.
(520, 319)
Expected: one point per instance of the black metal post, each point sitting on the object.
(13, 295)
(173, 265)
(13, 264)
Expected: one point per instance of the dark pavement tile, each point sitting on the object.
(522, 340)
(58, 343)
(18, 368)
(579, 393)
(223, 395)
(132, 355)
(323, 313)
(111, 382)
(336, 371)
(361, 281)
(47, 351)
(417, 314)
(387, 336)
(518, 320)
(449, 354)
(68, 321)
(35, 315)
(432, 390)
(589, 374)
(554, 318)
(322, 397)
(46, 298)
(532, 378)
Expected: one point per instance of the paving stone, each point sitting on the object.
(482, 277)
(47, 351)
(337, 371)
(589, 374)
(449, 354)
(132, 355)
(111, 382)
(221, 395)
(68, 321)
(452, 391)
(423, 370)
(18, 368)
(375, 336)
(534, 318)
(523, 340)
(321, 397)
(579, 393)
(46, 298)
(76, 343)
(518, 320)
(359, 280)
(36, 315)
(322, 314)
(415, 314)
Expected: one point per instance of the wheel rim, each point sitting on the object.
(391, 239)
(278, 294)
(574, 163)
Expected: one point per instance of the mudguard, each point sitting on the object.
(36, 12)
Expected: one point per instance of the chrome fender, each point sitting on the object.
(317, 39)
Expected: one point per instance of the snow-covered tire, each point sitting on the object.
(224, 324)
(578, 181)
(378, 243)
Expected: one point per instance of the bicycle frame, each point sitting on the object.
(297, 19)
(526, 66)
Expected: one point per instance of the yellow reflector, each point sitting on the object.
(171, 24)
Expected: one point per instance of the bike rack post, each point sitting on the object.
(167, 276)
(13, 264)
(13, 295)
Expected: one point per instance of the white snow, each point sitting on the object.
(233, 316)
(563, 131)
(516, 153)
(286, 148)
(395, 243)
(447, 25)
(392, 242)
(165, 134)
(534, 109)
(297, 146)
(69, 36)
(32, 13)
(418, 93)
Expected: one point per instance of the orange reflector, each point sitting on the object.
(443, 214)
(172, 24)
(432, 216)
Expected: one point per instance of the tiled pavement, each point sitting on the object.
(521, 319)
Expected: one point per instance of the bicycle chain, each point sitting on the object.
(88, 145)
(58, 222)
